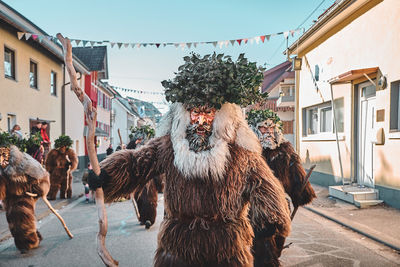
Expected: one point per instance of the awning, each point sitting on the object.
(98, 132)
(353, 75)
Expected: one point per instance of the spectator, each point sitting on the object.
(46, 140)
(36, 151)
(37, 128)
(109, 150)
(85, 177)
(16, 131)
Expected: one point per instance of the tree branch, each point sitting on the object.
(91, 117)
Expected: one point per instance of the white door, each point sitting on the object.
(366, 132)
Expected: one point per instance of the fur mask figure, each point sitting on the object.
(267, 126)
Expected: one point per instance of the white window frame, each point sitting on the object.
(319, 135)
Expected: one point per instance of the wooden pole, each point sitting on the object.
(91, 116)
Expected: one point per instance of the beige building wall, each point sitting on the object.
(74, 117)
(369, 41)
(18, 98)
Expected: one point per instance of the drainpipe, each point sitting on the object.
(336, 133)
(63, 103)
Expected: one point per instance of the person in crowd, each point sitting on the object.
(46, 140)
(16, 131)
(86, 184)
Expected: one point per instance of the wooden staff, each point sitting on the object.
(120, 138)
(302, 189)
(91, 115)
(54, 211)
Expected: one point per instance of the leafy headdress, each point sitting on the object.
(215, 79)
(63, 140)
(256, 118)
(144, 132)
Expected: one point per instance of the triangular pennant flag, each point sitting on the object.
(195, 44)
(100, 42)
(176, 45)
(189, 45)
(232, 42)
(92, 43)
(138, 45)
(126, 45)
(119, 45)
(112, 44)
(34, 36)
(158, 45)
(239, 41)
(20, 35)
(49, 38)
(133, 45)
(292, 32)
(164, 44)
(257, 38)
(84, 42)
(226, 43)
(286, 34)
(27, 36)
(144, 45)
(77, 42)
(245, 40)
(220, 44)
(268, 37)
(262, 37)
(40, 38)
(215, 43)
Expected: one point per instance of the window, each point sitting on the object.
(316, 73)
(9, 63)
(319, 119)
(395, 106)
(33, 75)
(326, 120)
(53, 83)
(287, 127)
(11, 121)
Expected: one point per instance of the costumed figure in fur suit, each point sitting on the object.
(60, 162)
(22, 182)
(219, 192)
(147, 198)
(281, 156)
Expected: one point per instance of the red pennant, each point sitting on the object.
(239, 41)
(245, 40)
(34, 37)
(262, 38)
(158, 45)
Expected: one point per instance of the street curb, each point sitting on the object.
(341, 222)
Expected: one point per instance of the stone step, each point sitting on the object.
(354, 193)
(367, 203)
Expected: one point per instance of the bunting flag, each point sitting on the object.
(136, 91)
(240, 41)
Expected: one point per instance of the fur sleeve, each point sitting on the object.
(298, 176)
(73, 158)
(268, 206)
(128, 169)
(50, 160)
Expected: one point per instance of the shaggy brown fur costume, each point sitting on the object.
(147, 204)
(286, 165)
(206, 222)
(57, 165)
(23, 174)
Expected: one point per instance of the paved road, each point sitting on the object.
(316, 241)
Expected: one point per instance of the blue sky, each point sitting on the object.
(171, 21)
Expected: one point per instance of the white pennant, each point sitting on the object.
(77, 42)
(286, 34)
(112, 44)
(251, 40)
(257, 38)
(220, 43)
(226, 43)
(195, 44)
(27, 36)
(126, 45)
(20, 35)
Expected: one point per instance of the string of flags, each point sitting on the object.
(136, 91)
(182, 45)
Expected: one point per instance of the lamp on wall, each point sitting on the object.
(296, 63)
